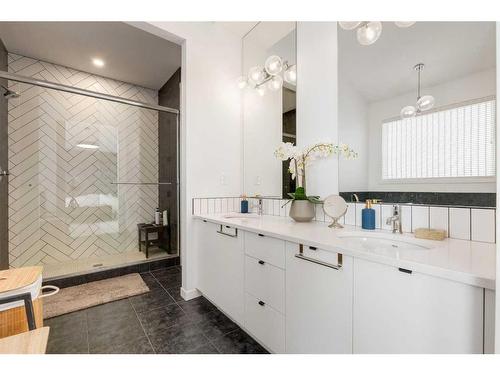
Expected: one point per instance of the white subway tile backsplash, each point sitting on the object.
(419, 217)
(439, 218)
(359, 208)
(283, 207)
(483, 225)
(276, 207)
(406, 218)
(460, 223)
(386, 212)
(287, 209)
(378, 213)
(203, 206)
(350, 216)
(266, 206)
(320, 214)
(224, 205)
(477, 224)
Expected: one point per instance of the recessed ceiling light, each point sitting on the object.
(98, 62)
(88, 146)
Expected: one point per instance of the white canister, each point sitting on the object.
(157, 216)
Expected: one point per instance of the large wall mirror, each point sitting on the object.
(269, 106)
(443, 143)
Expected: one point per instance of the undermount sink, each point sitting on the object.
(373, 243)
(239, 215)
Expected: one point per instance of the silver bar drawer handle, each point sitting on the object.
(262, 303)
(301, 255)
(220, 231)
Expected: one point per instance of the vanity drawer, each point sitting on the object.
(265, 323)
(266, 282)
(270, 250)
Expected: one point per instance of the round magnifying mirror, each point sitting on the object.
(335, 207)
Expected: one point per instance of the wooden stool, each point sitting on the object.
(146, 230)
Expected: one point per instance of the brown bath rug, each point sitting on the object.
(92, 294)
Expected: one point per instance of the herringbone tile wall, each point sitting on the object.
(62, 205)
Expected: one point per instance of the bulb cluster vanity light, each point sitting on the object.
(424, 103)
(369, 31)
(270, 77)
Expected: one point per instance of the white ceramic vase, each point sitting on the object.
(302, 210)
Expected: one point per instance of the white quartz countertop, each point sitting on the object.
(463, 261)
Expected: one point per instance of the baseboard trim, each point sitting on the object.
(188, 294)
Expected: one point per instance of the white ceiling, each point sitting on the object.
(131, 55)
(384, 69)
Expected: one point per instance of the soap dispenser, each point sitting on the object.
(244, 204)
(368, 216)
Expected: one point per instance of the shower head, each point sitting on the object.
(9, 94)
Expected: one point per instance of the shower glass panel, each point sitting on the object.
(83, 173)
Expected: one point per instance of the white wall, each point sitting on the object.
(317, 99)
(210, 121)
(477, 85)
(353, 130)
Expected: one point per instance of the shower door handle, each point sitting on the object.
(3, 173)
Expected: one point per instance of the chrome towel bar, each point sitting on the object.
(301, 255)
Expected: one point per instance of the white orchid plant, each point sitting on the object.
(301, 159)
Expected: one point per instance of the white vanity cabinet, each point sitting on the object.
(221, 267)
(265, 290)
(318, 301)
(400, 311)
(294, 298)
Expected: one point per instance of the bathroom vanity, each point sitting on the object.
(306, 288)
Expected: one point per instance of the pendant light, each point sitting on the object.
(424, 103)
(368, 32)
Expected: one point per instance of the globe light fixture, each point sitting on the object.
(369, 33)
(404, 24)
(424, 103)
(257, 75)
(290, 75)
(408, 111)
(273, 65)
(242, 82)
(275, 83)
(349, 25)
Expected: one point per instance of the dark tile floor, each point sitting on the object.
(156, 322)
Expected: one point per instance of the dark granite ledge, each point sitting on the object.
(482, 200)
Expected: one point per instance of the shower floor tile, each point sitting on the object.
(80, 266)
(159, 322)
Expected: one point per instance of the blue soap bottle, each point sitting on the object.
(368, 216)
(244, 205)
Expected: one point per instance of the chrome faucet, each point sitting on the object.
(259, 205)
(395, 220)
